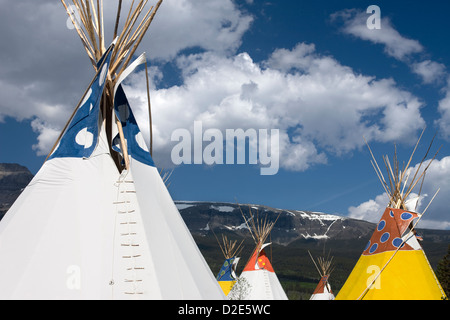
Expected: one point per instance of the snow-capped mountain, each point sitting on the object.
(291, 225)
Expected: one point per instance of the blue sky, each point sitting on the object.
(311, 69)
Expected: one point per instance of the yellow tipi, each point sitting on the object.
(393, 266)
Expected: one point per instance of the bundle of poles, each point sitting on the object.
(229, 248)
(399, 186)
(87, 17)
(324, 265)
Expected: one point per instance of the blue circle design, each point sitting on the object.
(381, 225)
(373, 248)
(385, 237)
(406, 216)
(391, 214)
(397, 242)
(367, 246)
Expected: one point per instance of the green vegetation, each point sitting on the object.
(443, 272)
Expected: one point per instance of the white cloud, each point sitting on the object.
(324, 106)
(46, 139)
(214, 25)
(444, 109)
(394, 43)
(405, 50)
(436, 215)
(370, 210)
(45, 69)
(430, 71)
(437, 178)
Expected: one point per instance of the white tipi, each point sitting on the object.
(258, 280)
(323, 289)
(95, 223)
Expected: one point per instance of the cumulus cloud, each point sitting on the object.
(44, 68)
(40, 61)
(213, 25)
(436, 215)
(46, 139)
(370, 210)
(321, 107)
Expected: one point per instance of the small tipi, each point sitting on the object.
(227, 275)
(323, 289)
(258, 280)
(393, 266)
(97, 221)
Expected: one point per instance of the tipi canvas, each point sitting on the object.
(97, 221)
(227, 275)
(323, 289)
(393, 266)
(258, 280)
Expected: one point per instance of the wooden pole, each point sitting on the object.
(138, 41)
(149, 109)
(116, 27)
(123, 144)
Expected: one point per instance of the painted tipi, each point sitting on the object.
(227, 274)
(393, 266)
(258, 280)
(97, 221)
(323, 289)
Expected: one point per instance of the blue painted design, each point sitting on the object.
(225, 272)
(81, 136)
(385, 237)
(397, 242)
(381, 225)
(367, 246)
(134, 139)
(373, 248)
(406, 216)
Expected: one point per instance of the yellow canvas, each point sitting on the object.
(226, 286)
(392, 267)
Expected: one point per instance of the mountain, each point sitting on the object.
(291, 225)
(13, 178)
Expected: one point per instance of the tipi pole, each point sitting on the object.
(116, 27)
(142, 33)
(123, 144)
(149, 109)
(320, 273)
